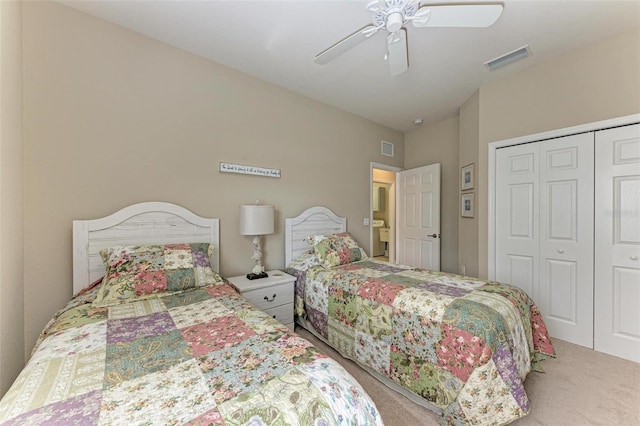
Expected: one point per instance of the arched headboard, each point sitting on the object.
(143, 223)
(313, 221)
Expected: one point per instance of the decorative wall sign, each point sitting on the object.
(249, 170)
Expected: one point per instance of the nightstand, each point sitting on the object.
(273, 294)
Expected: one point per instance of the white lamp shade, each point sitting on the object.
(256, 220)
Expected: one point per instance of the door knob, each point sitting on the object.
(434, 235)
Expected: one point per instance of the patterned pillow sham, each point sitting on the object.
(304, 262)
(148, 271)
(336, 249)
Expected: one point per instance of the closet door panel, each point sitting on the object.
(617, 224)
(562, 284)
(517, 213)
(626, 226)
(566, 237)
(520, 272)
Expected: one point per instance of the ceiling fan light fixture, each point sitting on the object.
(394, 22)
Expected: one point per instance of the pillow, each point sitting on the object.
(336, 249)
(304, 262)
(148, 271)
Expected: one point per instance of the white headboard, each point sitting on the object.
(313, 221)
(144, 223)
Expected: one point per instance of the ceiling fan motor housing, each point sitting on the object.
(392, 14)
(394, 22)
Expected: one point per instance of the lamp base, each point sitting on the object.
(253, 276)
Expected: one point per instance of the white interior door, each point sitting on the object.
(418, 217)
(565, 295)
(617, 236)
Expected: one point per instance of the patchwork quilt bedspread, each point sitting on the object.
(464, 344)
(203, 356)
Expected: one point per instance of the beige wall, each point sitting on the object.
(438, 143)
(468, 226)
(598, 82)
(11, 234)
(114, 118)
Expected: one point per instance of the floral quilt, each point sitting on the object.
(202, 356)
(464, 344)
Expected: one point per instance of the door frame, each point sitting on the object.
(491, 170)
(392, 206)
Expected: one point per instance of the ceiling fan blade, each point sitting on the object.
(457, 15)
(345, 44)
(397, 52)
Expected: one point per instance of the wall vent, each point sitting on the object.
(387, 148)
(508, 58)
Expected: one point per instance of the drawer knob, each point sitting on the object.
(270, 300)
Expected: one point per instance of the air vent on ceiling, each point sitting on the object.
(508, 58)
(387, 148)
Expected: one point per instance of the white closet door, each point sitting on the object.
(565, 295)
(517, 216)
(617, 224)
(544, 230)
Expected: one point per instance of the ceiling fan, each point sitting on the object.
(393, 15)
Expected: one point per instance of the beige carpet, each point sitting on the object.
(579, 387)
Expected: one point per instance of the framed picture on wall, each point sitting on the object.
(467, 177)
(466, 205)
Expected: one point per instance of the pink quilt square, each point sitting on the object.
(351, 267)
(460, 352)
(210, 418)
(215, 335)
(220, 290)
(380, 290)
(178, 246)
(149, 282)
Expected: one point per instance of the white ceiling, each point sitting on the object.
(276, 41)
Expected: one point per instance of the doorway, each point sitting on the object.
(383, 188)
(380, 224)
(413, 214)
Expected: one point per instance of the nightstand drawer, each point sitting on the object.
(270, 297)
(283, 313)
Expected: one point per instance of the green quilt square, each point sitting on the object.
(373, 318)
(343, 306)
(144, 355)
(425, 379)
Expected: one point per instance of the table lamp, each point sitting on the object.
(256, 220)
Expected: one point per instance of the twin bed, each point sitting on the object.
(164, 339)
(120, 354)
(458, 345)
